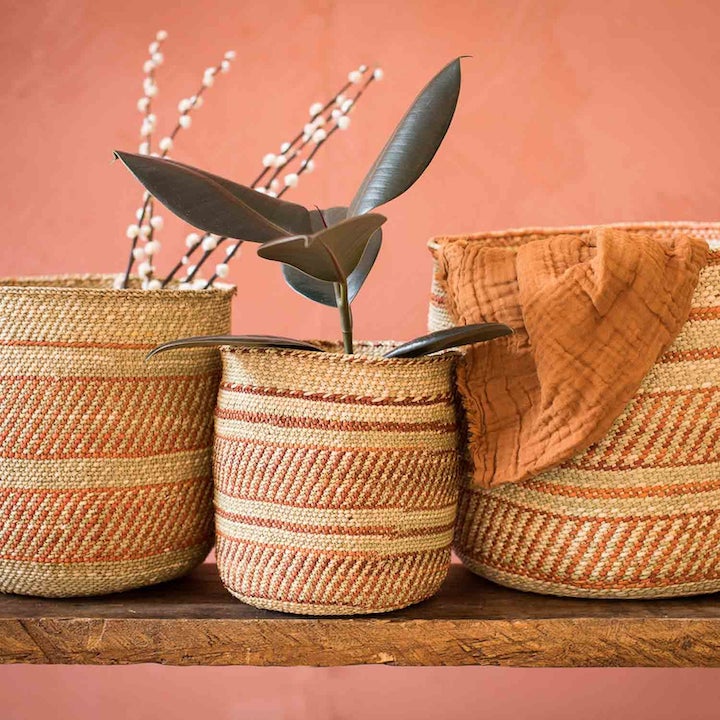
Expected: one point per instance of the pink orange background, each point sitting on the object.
(571, 112)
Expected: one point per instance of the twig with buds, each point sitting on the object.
(145, 254)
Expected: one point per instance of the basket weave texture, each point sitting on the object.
(105, 459)
(336, 478)
(637, 514)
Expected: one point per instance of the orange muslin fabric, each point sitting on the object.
(591, 315)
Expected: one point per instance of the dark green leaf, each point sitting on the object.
(215, 204)
(240, 340)
(413, 144)
(331, 254)
(451, 338)
(324, 292)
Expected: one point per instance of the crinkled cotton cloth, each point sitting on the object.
(591, 315)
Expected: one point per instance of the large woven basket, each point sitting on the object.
(336, 478)
(105, 459)
(637, 515)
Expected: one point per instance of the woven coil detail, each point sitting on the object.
(105, 459)
(336, 479)
(636, 515)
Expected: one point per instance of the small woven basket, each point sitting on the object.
(336, 478)
(637, 515)
(105, 459)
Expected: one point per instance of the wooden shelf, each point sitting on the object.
(194, 621)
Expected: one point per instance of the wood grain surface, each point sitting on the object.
(194, 621)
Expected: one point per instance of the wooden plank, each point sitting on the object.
(193, 621)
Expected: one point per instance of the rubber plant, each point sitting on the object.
(326, 255)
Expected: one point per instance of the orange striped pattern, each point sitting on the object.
(328, 502)
(105, 460)
(636, 514)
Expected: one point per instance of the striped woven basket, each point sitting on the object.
(637, 515)
(105, 459)
(336, 478)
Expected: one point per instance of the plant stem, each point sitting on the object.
(341, 296)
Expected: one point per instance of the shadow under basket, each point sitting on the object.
(336, 478)
(105, 459)
(637, 514)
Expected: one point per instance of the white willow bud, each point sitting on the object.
(185, 121)
(144, 148)
(152, 248)
(144, 269)
(145, 230)
(192, 240)
(315, 108)
(209, 243)
(148, 66)
(143, 103)
(132, 231)
(291, 180)
(230, 55)
(158, 58)
(139, 254)
(222, 270)
(268, 160)
(378, 73)
(308, 165)
(153, 47)
(280, 160)
(154, 284)
(157, 222)
(285, 147)
(161, 35)
(319, 135)
(345, 107)
(225, 66)
(165, 144)
(184, 105)
(343, 122)
(354, 77)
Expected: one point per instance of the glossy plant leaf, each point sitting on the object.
(331, 254)
(413, 144)
(324, 292)
(238, 340)
(215, 204)
(451, 338)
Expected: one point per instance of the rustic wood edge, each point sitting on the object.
(576, 642)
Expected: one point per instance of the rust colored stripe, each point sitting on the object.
(301, 528)
(87, 345)
(286, 421)
(342, 399)
(362, 554)
(601, 493)
(704, 313)
(671, 356)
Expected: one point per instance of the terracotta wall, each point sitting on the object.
(571, 112)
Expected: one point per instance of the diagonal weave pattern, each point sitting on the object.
(105, 472)
(328, 501)
(637, 514)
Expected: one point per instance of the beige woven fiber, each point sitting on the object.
(336, 478)
(637, 514)
(105, 459)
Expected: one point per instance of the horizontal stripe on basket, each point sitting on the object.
(396, 519)
(332, 424)
(705, 353)
(77, 344)
(583, 509)
(704, 313)
(388, 530)
(443, 399)
(299, 407)
(380, 543)
(301, 437)
(424, 378)
(325, 551)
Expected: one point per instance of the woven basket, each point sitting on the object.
(336, 478)
(637, 515)
(105, 459)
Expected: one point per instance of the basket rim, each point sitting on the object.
(53, 284)
(434, 242)
(339, 358)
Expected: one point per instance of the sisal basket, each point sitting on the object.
(336, 478)
(637, 515)
(105, 459)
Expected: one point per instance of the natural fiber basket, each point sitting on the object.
(637, 515)
(105, 459)
(336, 478)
